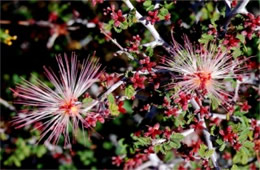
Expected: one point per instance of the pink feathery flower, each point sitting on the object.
(59, 109)
(202, 70)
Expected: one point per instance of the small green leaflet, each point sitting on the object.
(129, 91)
(112, 105)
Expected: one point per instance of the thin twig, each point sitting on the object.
(103, 96)
(122, 50)
(111, 39)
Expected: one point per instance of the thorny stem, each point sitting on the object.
(206, 135)
(158, 41)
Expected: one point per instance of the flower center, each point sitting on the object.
(203, 80)
(70, 107)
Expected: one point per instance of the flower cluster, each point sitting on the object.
(231, 41)
(138, 81)
(60, 107)
(201, 70)
(135, 44)
(117, 16)
(251, 23)
(231, 137)
(153, 16)
(181, 105)
(147, 64)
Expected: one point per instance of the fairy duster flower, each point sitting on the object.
(202, 70)
(60, 108)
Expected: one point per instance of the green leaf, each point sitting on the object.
(169, 156)
(141, 141)
(128, 106)
(176, 137)
(167, 146)
(175, 144)
(241, 37)
(164, 11)
(222, 147)
(41, 150)
(129, 91)
(243, 135)
(147, 3)
(111, 98)
(108, 26)
(123, 25)
(121, 147)
(242, 156)
(117, 29)
(17, 162)
(236, 52)
(131, 18)
(19, 156)
(149, 51)
(212, 129)
(214, 18)
(179, 121)
(157, 148)
(209, 153)
(234, 167)
(175, 140)
(150, 8)
(107, 145)
(66, 17)
(70, 166)
(39, 166)
(190, 118)
(202, 150)
(209, 7)
(168, 5)
(113, 108)
(87, 100)
(86, 157)
(80, 136)
(205, 38)
(214, 102)
(249, 145)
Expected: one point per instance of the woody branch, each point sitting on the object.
(240, 8)
(158, 41)
(206, 135)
